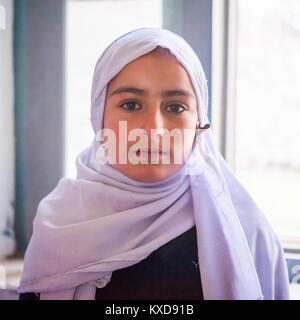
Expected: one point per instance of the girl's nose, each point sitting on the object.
(154, 121)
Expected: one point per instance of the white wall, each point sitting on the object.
(7, 239)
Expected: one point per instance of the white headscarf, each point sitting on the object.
(102, 221)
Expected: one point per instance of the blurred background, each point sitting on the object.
(250, 53)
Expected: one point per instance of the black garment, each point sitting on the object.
(170, 272)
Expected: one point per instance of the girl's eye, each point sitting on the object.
(130, 106)
(174, 108)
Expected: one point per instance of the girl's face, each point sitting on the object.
(152, 92)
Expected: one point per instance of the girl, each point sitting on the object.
(148, 219)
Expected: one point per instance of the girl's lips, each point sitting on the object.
(149, 152)
(145, 153)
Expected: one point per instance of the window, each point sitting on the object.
(256, 110)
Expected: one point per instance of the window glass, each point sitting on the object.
(267, 127)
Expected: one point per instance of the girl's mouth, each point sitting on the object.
(156, 154)
(148, 152)
(138, 152)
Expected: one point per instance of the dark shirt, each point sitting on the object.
(170, 272)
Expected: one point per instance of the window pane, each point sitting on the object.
(90, 27)
(267, 146)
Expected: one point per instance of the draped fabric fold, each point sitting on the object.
(103, 221)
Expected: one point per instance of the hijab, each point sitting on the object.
(103, 220)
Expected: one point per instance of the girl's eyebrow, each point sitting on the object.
(143, 92)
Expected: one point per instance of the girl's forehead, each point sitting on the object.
(153, 70)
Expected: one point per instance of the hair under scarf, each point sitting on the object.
(102, 221)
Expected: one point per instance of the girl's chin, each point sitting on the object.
(148, 172)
